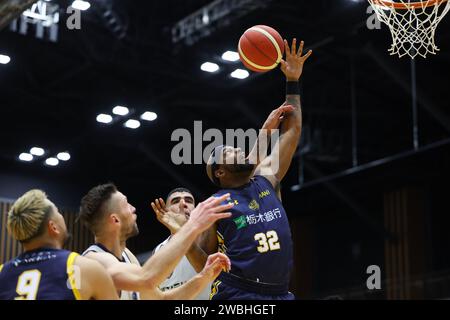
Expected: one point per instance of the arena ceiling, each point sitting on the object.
(52, 92)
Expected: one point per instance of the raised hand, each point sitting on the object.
(292, 67)
(276, 116)
(171, 220)
(209, 211)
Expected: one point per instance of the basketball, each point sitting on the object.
(261, 48)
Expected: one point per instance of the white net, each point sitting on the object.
(412, 24)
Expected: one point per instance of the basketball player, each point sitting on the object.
(257, 238)
(44, 271)
(180, 203)
(107, 213)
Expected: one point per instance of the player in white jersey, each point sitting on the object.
(107, 213)
(173, 214)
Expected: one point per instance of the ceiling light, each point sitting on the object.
(36, 151)
(132, 124)
(121, 111)
(26, 157)
(104, 118)
(209, 67)
(149, 116)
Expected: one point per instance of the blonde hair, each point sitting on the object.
(26, 217)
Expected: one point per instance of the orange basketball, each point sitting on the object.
(261, 48)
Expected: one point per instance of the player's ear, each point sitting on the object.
(52, 227)
(219, 173)
(114, 218)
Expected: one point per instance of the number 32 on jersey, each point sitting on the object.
(267, 241)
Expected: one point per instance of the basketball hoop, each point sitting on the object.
(412, 24)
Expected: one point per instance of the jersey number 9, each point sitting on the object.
(28, 284)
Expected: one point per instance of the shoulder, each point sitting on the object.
(86, 263)
(104, 258)
(268, 180)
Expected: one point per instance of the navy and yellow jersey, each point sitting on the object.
(42, 274)
(257, 238)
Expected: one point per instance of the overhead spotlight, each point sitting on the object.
(149, 116)
(230, 56)
(240, 74)
(132, 124)
(4, 59)
(52, 162)
(121, 111)
(104, 118)
(26, 157)
(36, 151)
(209, 67)
(81, 5)
(63, 156)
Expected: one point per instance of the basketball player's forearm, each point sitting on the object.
(259, 148)
(293, 120)
(188, 291)
(197, 257)
(164, 261)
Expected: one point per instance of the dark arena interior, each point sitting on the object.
(367, 188)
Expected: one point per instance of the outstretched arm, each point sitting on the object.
(131, 277)
(174, 221)
(190, 290)
(259, 150)
(277, 164)
(95, 282)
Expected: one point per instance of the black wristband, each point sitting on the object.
(292, 88)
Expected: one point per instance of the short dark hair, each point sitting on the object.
(93, 203)
(179, 189)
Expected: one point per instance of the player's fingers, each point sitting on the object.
(217, 255)
(155, 209)
(286, 108)
(157, 204)
(223, 215)
(214, 262)
(306, 56)
(217, 268)
(223, 207)
(161, 206)
(300, 49)
(161, 203)
(286, 48)
(209, 200)
(159, 215)
(216, 201)
(224, 260)
(294, 47)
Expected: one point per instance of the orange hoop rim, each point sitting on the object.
(413, 5)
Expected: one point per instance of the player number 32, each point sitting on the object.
(267, 241)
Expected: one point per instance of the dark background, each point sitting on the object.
(51, 93)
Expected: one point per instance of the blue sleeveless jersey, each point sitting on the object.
(257, 238)
(40, 274)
